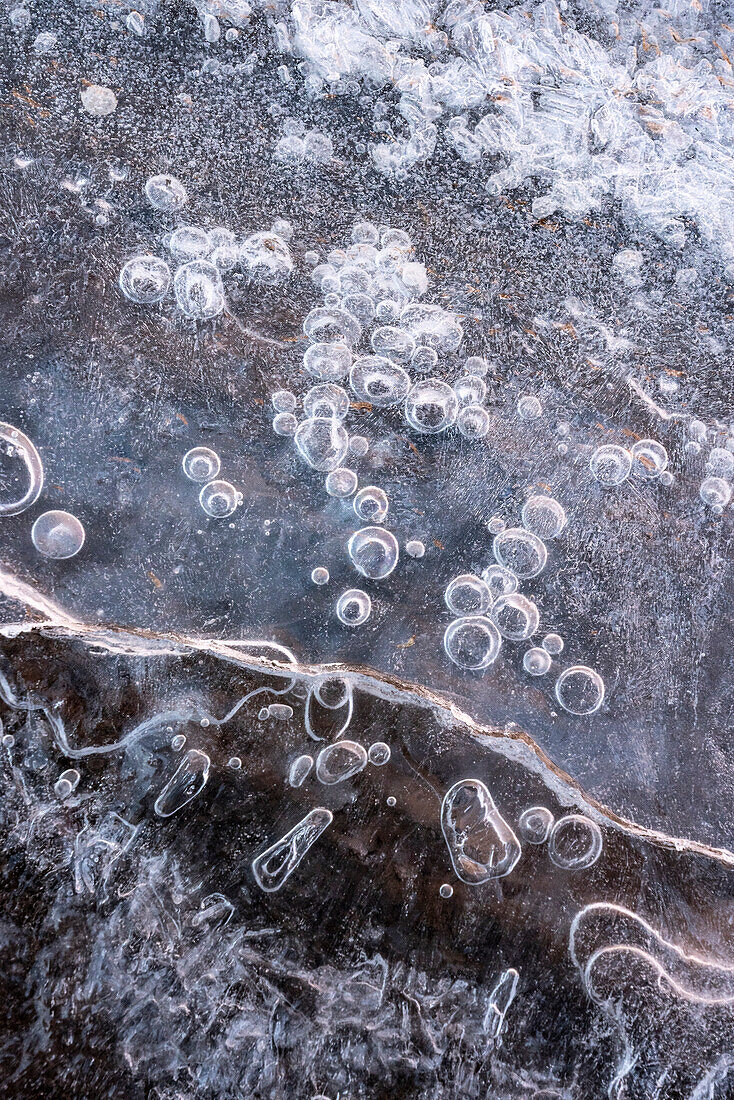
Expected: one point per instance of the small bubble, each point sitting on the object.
(580, 690)
(145, 279)
(354, 607)
(8, 740)
(649, 458)
(446, 890)
(234, 762)
(67, 782)
(371, 504)
(610, 465)
(467, 594)
(473, 422)
(553, 644)
(515, 616)
(378, 753)
(188, 242)
(204, 722)
(341, 483)
(499, 580)
(496, 525)
(391, 801)
(326, 399)
(280, 711)
(358, 446)
(218, 499)
(529, 407)
(373, 552)
(472, 642)
(715, 492)
(544, 516)
(201, 464)
(536, 661)
(320, 575)
(414, 548)
(165, 193)
(263, 713)
(98, 100)
(285, 424)
(178, 742)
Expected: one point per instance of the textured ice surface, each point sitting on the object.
(375, 738)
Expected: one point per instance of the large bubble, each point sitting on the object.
(374, 552)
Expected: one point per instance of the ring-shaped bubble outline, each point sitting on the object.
(563, 676)
(526, 814)
(582, 863)
(33, 464)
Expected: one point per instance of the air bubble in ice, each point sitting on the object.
(515, 616)
(266, 258)
(188, 242)
(431, 406)
(536, 661)
(320, 575)
(432, 325)
(201, 464)
(378, 753)
(535, 824)
(322, 441)
(340, 761)
(285, 424)
(165, 193)
(277, 863)
(446, 890)
(473, 421)
(358, 446)
(98, 100)
(219, 499)
(414, 548)
(529, 408)
(481, 844)
(715, 492)
(178, 742)
(326, 399)
(145, 279)
(472, 642)
(575, 842)
(67, 783)
(543, 516)
(353, 607)
(280, 711)
(371, 504)
(470, 389)
(495, 525)
(520, 551)
(198, 289)
(610, 464)
(19, 462)
(580, 690)
(424, 359)
(332, 325)
(374, 552)
(499, 580)
(329, 362)
(283, 401)
(720, 463)
(394, 343)
(341, 483)
(553, 644)
(184, 785)
(467, 594)
(378, 381)
(300, 770)
(58, 534)
(649, 459)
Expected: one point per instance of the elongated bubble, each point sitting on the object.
(481, 844)
(340, 761)
(186, 782)
(276, 864)
(20, 462)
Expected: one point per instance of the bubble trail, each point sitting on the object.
(276, 864)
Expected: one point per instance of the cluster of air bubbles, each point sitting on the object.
(217, 497)
(298, 145)
(199, 258)
(67, 783)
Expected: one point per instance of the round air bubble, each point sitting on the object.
(365, 233)
(58, 535)
(553, 644)
(610, 465)
(649, 459)
(322, 442)
(715, 492)
(470, 389)
(432, 325)
(332, 692)
(446, 890)
(333, 325)
(495, 525)
(341, 483)
(575, 843)
(543, 516)
(580, 690)
(472, 642)
(353, 607)
(285, 424)
(467, 594)
(378, 381)
(320, 575)
(198, 289)
(536, 661)
(388, 310)
(360, 306)
(394, 343)
(499, 580)
(515, 616)
(284, 401)
(219, 499)
(371, 504)
(378, 754)
(529, 408)
(414, 548)
(358, 446)
(424, 360)
(535, 824)
(520, 551)
(98, 100)
(329, 362)
(21, 471)
(188, 242)
(720, 463)
(145, 280)
(431, 406)
(473, 421)
(326, 399)
(354, 280)
(266, 258)
(373, 552)
(201, 464)
(165, 193)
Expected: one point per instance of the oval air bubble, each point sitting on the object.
(580, 690)
(371, 504)
(328, 362)
(610, 465)
(378, 381)
(649, 459)
(145, 279)
(19, 462)
(472, 642)
(553, 644)
(431, 406)
(198, 289)
(341, 483)
(201, 464)
(325, 324)
(543, 516)
(340, 761)
(481, 844)
(165, 193)
(394, 343)
(535, 824)
(354, 607)
(188, 242)
(326, 399)
(515, 616)
(467, 594)
(373, 552)
(299, 770)
(58, 535)
(184, 785)
(499, 580)
(715, 492)
(575, 842)
(219, 499)
(322, 441)
(520, 551)
(278, 862)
